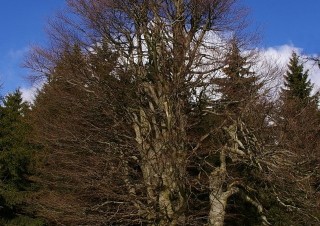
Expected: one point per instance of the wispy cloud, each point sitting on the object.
(280, 54)
(18, 53)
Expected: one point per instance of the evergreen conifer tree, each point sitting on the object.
(15, 161)
(239, 81)
(239, 85)
(297, 84)
(297, 127)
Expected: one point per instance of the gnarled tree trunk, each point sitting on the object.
(219, 195)
(160, 135)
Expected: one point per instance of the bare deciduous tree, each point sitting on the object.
(135, 85)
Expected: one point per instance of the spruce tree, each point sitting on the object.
(297, 84)
(297, 126)
(239, 86)
(15, 161)
(239, 83)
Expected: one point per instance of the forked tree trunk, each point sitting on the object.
(161, 144)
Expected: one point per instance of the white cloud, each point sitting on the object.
(280, 54)
(28, 93)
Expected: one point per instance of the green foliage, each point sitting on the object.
(15, 159)
(297, 83)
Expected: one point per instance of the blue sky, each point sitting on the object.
(22, 23)
(285, 25)
(289, 22)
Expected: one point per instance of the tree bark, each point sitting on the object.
(219, 196)
(160, 139)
